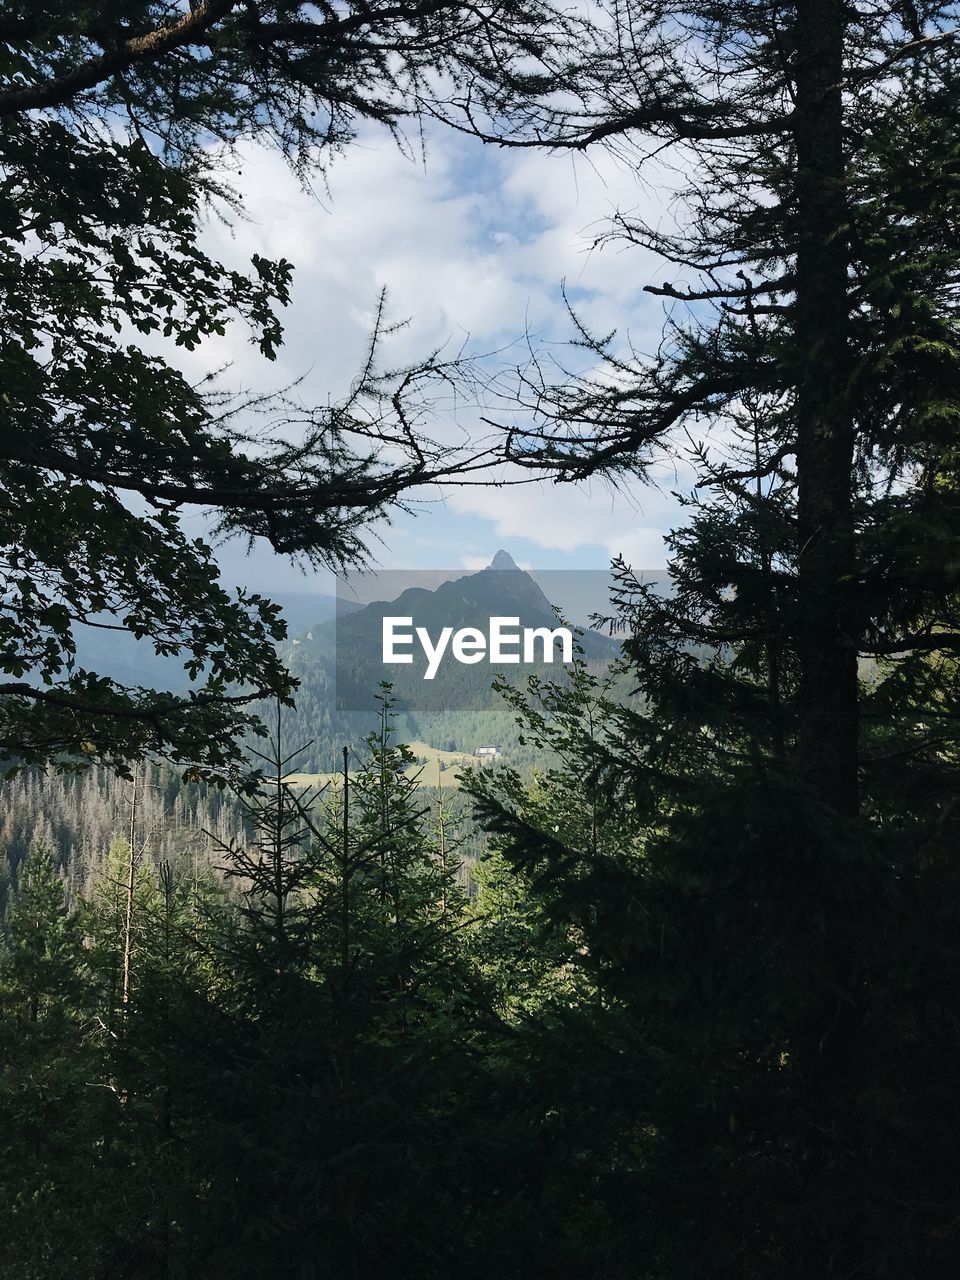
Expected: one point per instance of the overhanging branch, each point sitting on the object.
(154, 44)
(152, 713)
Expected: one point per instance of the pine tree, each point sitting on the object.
(51, 1111)
(342, 1027)
(793, 775)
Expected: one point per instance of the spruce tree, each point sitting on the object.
(349, 1013)
(51, 1110)
(793, 775)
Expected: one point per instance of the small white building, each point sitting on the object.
(489, 753)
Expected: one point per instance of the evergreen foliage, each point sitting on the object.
(282, 1079)
(765, 941)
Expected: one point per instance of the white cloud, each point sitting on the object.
(570, 517)
(640, 548)
(475, 244)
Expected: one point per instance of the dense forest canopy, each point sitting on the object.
(694, 1011)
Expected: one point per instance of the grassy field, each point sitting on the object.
(427, 769)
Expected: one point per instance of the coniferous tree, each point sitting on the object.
(51, 1110)
(794, 773)
(341, 1026)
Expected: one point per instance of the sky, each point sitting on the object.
(473, 245)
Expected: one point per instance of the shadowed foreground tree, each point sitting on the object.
(355, 1011)
(783, 946)
(814, 270)
(116, 129)
(295, 1073)
(50, 1051)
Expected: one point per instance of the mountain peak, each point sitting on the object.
(503, 560)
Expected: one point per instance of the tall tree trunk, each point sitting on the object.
(442, 838)
(826, 1048)
(828, 634)
(350, 1187)
(130, 899)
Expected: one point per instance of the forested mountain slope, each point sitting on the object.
(339, 666)
(78, 817)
